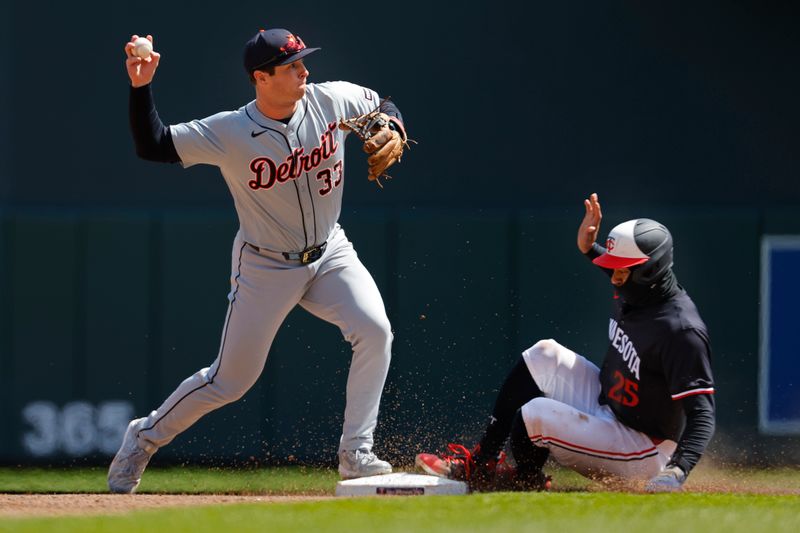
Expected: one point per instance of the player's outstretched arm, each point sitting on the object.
(140, 70)
(152, 138)
(590, 226)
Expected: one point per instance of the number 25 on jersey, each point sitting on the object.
(624, 391)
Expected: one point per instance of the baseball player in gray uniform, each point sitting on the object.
(282, 156)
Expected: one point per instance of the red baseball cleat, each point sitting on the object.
(460, 465)
(457, 465)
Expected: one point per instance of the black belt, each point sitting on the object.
(306, 257)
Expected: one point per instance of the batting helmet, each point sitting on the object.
(639, 242)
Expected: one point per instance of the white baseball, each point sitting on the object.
(142, 47)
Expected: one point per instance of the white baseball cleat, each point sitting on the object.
(361, 463)
(126, 469)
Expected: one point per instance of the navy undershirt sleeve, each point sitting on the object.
(696, 435)
(389, 107)
(596, 251)
(152, 138)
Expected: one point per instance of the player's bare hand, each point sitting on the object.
(590, 226)
(140, 71)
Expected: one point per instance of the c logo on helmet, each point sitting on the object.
(610, 244)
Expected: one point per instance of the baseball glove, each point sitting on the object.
(383, 139)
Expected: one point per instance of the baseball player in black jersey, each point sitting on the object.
(647, 414)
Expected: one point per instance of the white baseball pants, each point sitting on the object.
(579, 432)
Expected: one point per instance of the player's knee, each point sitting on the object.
(229, 390)
(232, 392)
(545, 348)
(378, 331)
(542, 360)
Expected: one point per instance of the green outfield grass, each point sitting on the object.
(176, 480)
(578, 505)
(500, 512)
(321, 481)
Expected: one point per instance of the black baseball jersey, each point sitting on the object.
(657, 355)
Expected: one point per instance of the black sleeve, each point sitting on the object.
(596, 251)
(152, 138)
(686, 362)
(699, 429)
(390, 108)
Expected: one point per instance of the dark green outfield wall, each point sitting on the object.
(114, 271)
(120, 307)
(513, 103)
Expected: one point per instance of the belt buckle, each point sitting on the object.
(306, 259)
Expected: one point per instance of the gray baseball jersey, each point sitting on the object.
(286, 179)
(287, 182)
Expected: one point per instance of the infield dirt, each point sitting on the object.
(77, 492)
(24, 505)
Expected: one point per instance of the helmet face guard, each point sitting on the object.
(643, 245)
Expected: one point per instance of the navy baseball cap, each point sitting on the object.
(270, 48)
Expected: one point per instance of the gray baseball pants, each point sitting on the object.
(265, 287)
